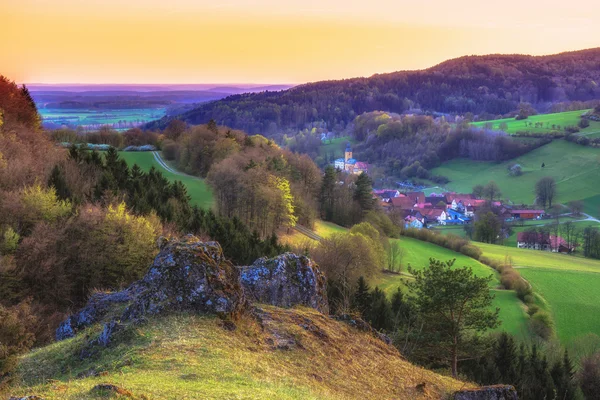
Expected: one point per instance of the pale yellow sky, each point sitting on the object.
(272, 41)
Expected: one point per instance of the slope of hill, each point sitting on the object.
(493, 84)
(186, 356)
(574, 168)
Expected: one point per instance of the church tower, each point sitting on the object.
(348, 153)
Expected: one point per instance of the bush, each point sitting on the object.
(571, 129)
(10, 241)
(15, 337)
(541, 324)
(583, 123)
(471, 251)
(515, 170)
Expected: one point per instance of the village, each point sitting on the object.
(420, 211)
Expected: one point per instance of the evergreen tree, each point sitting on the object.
(505, 358)
(59, 183)
(380, 315)
(327, 196)
(361, 301)
(363, 192)
(212, 126)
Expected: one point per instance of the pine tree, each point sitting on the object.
(212, 126)
(363, 192)
(505, 358)
(361, 301)
(59, 183)
(327, 196)
(380, 314)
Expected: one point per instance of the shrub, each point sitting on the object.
(471, 251)
(15, 337)
(10, 241)
(541, 324)
(583, 123)
(515, 170)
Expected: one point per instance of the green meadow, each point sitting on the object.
(549, 123)
(198, 190)
(575, 169)
(573, 299)
(336, 147)
(568, 286)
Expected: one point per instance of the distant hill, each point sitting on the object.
(493, 84)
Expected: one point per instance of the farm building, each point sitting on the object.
(527, 214)
(540, 241)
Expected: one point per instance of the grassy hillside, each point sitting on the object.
(563, 119)
(417, 254)
(575, 169)
(199, 191)
(193, 357)
(572, 297)
(569, 286)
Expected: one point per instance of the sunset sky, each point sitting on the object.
(264, 41)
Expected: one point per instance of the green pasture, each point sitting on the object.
(549, 123)
(336, 147)
(573, 297)
(198, 190)
(575, 168)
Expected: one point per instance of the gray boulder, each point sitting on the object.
(285, 281)
(496, 392)
(188, 275)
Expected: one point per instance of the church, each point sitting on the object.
(350, 164)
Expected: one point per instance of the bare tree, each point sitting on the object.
(395, 256)
(545, 191)
(568, 229)
(576, 206)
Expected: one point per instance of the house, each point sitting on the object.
(454, 217)
(339, 164)
(403, 203)
(527, 214)
(416, 197)
(437, 201)
(540, 241)
(412, 222)
(361, 167)
(435, 215)
(386, 194)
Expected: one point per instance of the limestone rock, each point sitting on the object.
(496, 392)
(285, 281)
(188, 275)
(97, 307)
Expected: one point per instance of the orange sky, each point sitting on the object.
(272, 41)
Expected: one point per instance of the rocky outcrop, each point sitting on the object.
(497, 392)
(187, 275)
(285, 281)
(96, 309)
(190, 275)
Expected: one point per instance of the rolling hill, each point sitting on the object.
(493, 84)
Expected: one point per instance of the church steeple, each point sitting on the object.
(348, 153)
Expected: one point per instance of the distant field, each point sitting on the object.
(568, 118)
(575, 169)
(199, 191)
(85, 117)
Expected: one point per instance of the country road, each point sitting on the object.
(163, 164)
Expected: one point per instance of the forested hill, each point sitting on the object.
(493, 84)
